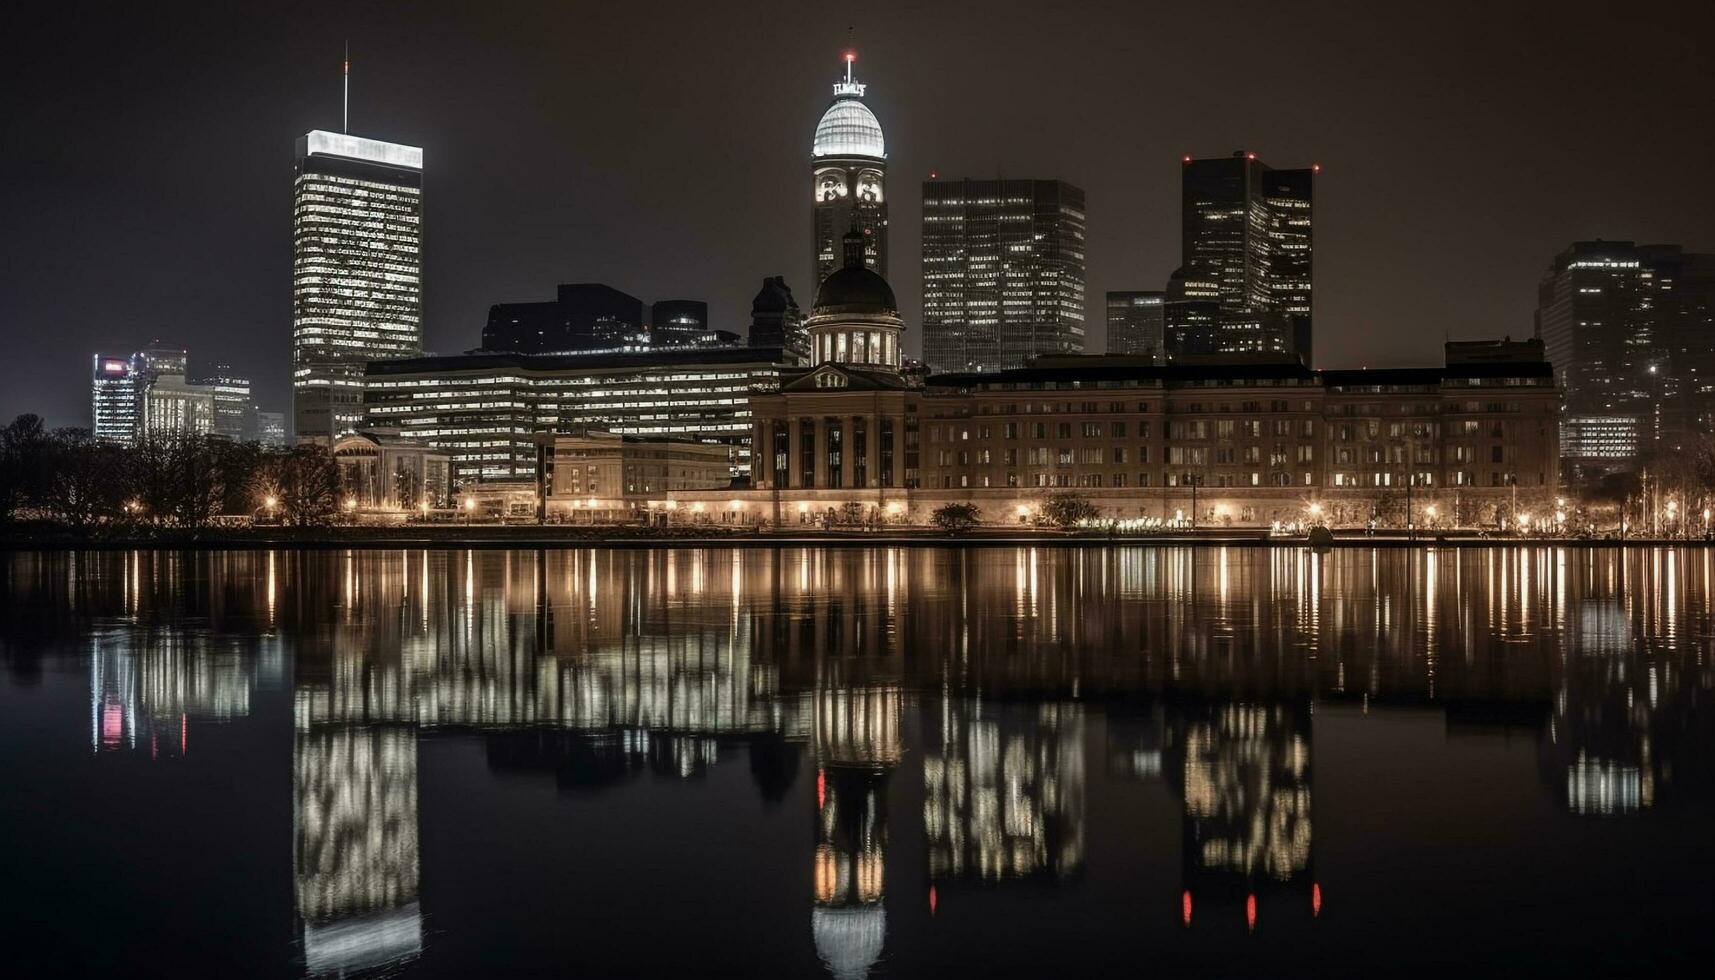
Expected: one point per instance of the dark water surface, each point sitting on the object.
(851, 762)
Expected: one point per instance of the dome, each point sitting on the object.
(848, 129)
(849, 941)
(854, 289)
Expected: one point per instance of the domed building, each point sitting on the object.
(839, 430)
(848, 164)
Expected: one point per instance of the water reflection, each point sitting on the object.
(1008, 685)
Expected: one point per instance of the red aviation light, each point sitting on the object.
(1250, 156)
(1316, 168)
(1187, 158)
(1250, 911)
(851, 56)
(1185, 906)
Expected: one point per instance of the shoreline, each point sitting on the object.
(488, 537)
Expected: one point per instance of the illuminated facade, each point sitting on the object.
(381, 472)
(113, 401)
(234, 414)
(1137, 324)
(848, 180)
(1230, 443)
(1627, 328)
(357, 278)
(486, 410)
(171, 406)
(1003, 272)
(1246, 236)
(603, 476)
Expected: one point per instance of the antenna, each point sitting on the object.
(345, 107)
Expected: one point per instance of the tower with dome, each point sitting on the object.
(848, 165)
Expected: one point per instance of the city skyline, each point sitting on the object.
(563, 205)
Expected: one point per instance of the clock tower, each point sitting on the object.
(848, 164)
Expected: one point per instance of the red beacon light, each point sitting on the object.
(1187, 158)
(851, 56)
(1250, 156)
(1316, 168)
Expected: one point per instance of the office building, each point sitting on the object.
(1003, 272)
(775, 321)
(486, 410)
(1246, 245)
(271, 429)
(1627, 329)
(1137, 324)
(848, 167)
(595, 475)
(152, 362)
(114, 401)
(173, 407)
(234, 418)
(582, 316)
(357, 272)
(678, 321)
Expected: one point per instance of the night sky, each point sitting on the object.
(662, 148)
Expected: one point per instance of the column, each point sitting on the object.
(872, 450)
(821, 460)
(794, 464)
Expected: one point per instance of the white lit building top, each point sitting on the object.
(848, 128)
(322, 143)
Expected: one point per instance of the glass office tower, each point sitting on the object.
(357, 283)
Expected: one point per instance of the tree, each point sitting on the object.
(954, 518)
(83, 479)
(23, 451)
(1066, 510)
(305, 483)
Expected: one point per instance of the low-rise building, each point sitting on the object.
(487, 410)
(606, 476)
(1217, 443)
(382, 472)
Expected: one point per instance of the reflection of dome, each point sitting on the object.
(849, 940)
(854, 289)
(848, 129)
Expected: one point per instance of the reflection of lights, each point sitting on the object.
(1315, 899)
(1250, 911)
(1185, 906)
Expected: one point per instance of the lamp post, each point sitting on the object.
(469, 510)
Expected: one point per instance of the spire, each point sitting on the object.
(345, 106)
(851, 86)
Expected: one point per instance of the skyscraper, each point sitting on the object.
(1627, 329)
(234, 417)
(1246, 231)
(357, 288)
(678, 321)
(776, 321)
(1003, 272)
(848, 164)
(1136, 323)
(113, 401)
(582, 316)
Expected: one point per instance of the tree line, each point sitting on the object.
(69, 479)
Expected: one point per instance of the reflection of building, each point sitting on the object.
(1244, 772)
(357, 281)
(848, 165)
(1003, 272)
(486, 410)
(146, 688)
(1004, 790)
(381, 471)
(354, 795)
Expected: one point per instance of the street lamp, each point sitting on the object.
(469, 509)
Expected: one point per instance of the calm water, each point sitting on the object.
(851, 762)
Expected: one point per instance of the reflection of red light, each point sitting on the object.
(1250, 911)
(1185, 906)
(181, 734)
(112, 724)
(821, 788)
(931, 899)
(1315, 899)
